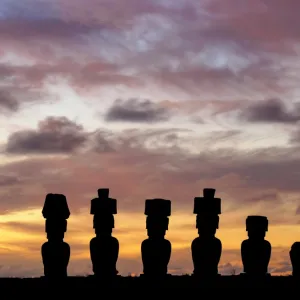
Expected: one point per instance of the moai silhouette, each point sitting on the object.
(206, 249)
(256, 251)
(104, 248)
(55, 252)
(295, 258)
(156, 250)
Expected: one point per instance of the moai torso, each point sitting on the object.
(104, 248)
(256, 251)
(256, 256)
(295, 258)
(56, 256)
(206, 249)
(104, 252)
(156, 250)
(156, 255)
(206, 254)
(55, 252)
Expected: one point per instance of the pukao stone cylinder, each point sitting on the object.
(103, 193)
(56, 206)
(257, 223)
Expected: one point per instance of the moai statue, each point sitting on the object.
(104, 248)
(156, 250)
(295, 258)
(206, 249)
(55, 252)
(256, 251)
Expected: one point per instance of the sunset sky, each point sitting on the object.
(150, 98)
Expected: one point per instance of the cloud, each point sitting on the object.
(298, 210)
(54, 135)
(231, 262)
(271, 111)
(32, 79)
(154, 162)
(229, 269)
(7, 101)
(279, 15)
(103, 12)
(9, 180)
(40, 29)
(294, 138)
(283, 267)
(21, 85)
(24, 227)
(189, 47)
(37, 229)
(226, 15)
(135, 110)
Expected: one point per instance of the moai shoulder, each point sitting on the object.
(214, 242)
(295, 259)
(164, 243)
(111, 239)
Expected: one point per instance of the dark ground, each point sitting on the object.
(90, 282)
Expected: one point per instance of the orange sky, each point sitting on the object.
(22, 234)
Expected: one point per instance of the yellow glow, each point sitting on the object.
(130, 231)
(32, 216)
